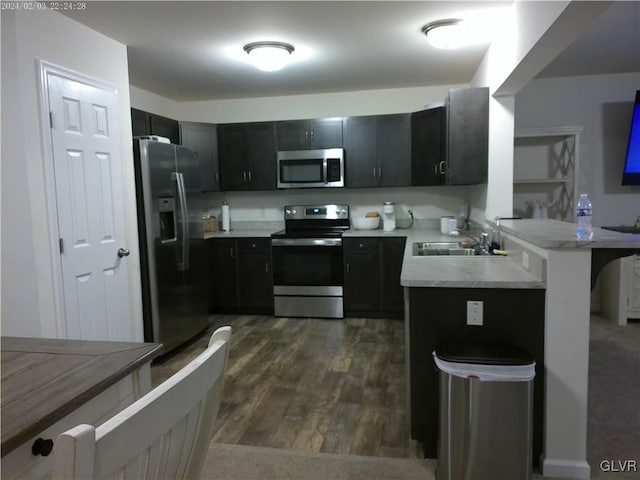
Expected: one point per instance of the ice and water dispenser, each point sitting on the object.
(166, 212)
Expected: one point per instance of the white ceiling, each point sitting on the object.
(193, 50)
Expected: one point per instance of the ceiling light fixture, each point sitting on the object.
(449, 33)
(269, 56)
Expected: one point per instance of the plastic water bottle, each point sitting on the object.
(583, 214)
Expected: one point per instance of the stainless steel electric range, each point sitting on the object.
(307, 261)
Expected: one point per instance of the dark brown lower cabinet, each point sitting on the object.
(241, 276)
(255, 281)
(372, 277)
(437, 315)
(222, 272)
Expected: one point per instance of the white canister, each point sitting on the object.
(453, 225)
(445, 225)
(225, 216)
(388, 217)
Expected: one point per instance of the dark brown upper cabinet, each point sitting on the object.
(145, 123)
(309, 134)
(467, 133)
(450, 144)
(203, 139)
(247, 156)
(428, 147)
(378, 151)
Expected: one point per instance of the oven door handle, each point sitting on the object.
(306, 242)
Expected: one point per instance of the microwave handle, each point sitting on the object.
(324, 170)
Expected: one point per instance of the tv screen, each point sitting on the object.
(631, 174)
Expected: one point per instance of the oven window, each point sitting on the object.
(307, 266)
(301, 171)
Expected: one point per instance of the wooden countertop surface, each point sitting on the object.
(43, 380)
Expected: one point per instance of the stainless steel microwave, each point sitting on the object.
(311, 168)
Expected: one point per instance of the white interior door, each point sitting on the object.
(91, 222)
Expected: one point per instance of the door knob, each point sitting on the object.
(123, 252)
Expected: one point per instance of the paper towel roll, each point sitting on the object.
(225, 216)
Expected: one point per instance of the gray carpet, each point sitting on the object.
(613, 429)
(241, 462)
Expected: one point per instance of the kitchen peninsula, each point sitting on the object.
(572, 266)
(564, 269)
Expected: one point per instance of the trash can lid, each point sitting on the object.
(484, 353)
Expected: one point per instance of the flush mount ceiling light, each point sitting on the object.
(269, 56)
(450, 33)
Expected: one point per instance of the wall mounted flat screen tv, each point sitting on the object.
(631, 174)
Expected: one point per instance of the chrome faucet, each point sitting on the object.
(637, 224)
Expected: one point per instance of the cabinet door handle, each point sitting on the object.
(374, 172)
(311, 136)
(442, 167)
(42, 447)
(306, 135)
(217, 176)
(231, 252)
(347, 268)
(435, 168)
(379, 172)
(266, 267)
(244, 177)
(249, 176)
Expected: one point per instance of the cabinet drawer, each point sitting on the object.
(361, 245)
(254, 246)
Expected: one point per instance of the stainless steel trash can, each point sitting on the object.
(486, 409)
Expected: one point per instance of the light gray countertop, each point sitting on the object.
(453, 271)
(437, 271)
(479, 271)
(555, 234)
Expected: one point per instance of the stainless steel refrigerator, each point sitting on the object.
(172, 249)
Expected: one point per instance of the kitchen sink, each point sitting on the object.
(424, 249)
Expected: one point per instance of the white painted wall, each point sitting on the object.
(536, 34)
(154, 103)
(602, 104)
(27, 275)
(366, 102)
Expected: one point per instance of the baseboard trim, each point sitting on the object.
(555, 467)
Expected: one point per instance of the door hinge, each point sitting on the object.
(50, 119)
(61, 245)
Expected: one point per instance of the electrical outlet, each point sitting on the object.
(474, 312)
(525, 260)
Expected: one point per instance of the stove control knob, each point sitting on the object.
(343, 212)
(290, 211)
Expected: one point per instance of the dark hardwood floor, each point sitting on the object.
(312, 385)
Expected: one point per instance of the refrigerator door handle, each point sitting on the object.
(184, 213)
